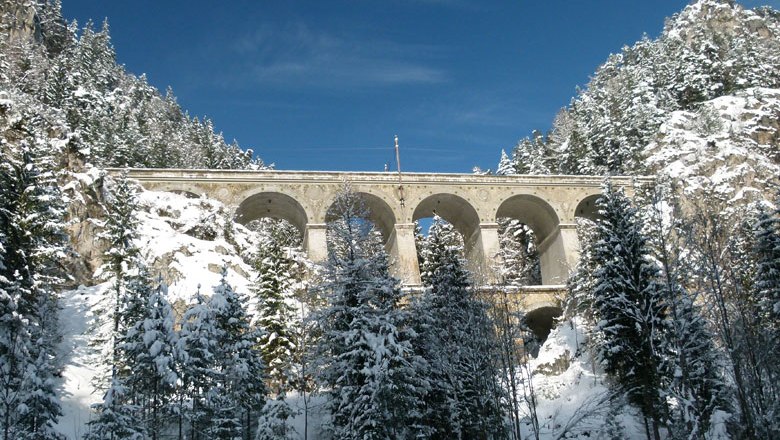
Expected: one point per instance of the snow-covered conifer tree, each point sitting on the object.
(520, 260)
(148, 351)
(505, 166)
(196, 352)
(629, 305)
(278, 278)
(440, 233)
(221, 367)
(239, 361)
(456, 337)
(766, 291)
(692, 377)
(274, 290)
(372, 378)
(31, 239)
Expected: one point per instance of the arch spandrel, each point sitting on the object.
(532, 210)
(274, 205)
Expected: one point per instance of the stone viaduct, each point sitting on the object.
(549, 205)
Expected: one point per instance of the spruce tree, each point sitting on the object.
(31, 239)
(273, 291)
(692, 377)
(148, 351)
(221, 368)
(239, 361)
(766, 292)
(629, 307)
(197, 353)
(457, 339)
(373, 382)
(278, 278)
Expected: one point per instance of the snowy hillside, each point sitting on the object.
(729, 145)
(178, 236)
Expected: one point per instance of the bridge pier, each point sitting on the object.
(482, 250)
(403, 254)
(558, 254)
(315, 242)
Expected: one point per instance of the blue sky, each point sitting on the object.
(324, 85)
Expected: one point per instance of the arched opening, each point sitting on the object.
(272, 205)
(527, 220)
(458, 212)
(378, 212)
(532, 211)
(542, 320)
(588, 208)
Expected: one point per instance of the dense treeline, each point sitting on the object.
(682, 313)
(66, 78)
(713, 48)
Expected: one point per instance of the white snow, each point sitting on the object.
(191, 262)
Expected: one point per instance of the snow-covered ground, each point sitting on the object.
(183, 240)
(726, 146)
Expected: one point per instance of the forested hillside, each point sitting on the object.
(628, 110)
(134, 314)
(62, 80)
(675, 299)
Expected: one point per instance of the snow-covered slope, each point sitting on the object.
(728, 146)
(187, 242)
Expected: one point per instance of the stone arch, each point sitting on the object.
(533, 211)
(541, 319)
(275, 205)
(450, 207)
(588, 208)
(544, 221)
(379, 212)
(464, 217)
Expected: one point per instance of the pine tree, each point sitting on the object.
(274, 289)
(239, 360)
(148, 351)
(629, 306)
(31, 239)
(372, 378)
(456, 338)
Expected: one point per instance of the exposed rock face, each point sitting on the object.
(19, 21)
(85, 214)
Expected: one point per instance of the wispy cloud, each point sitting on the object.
(294, 55)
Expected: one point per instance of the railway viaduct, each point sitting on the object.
(549, 205)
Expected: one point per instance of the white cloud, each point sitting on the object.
(296, 56)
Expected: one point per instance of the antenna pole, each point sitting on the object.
(398, 162)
